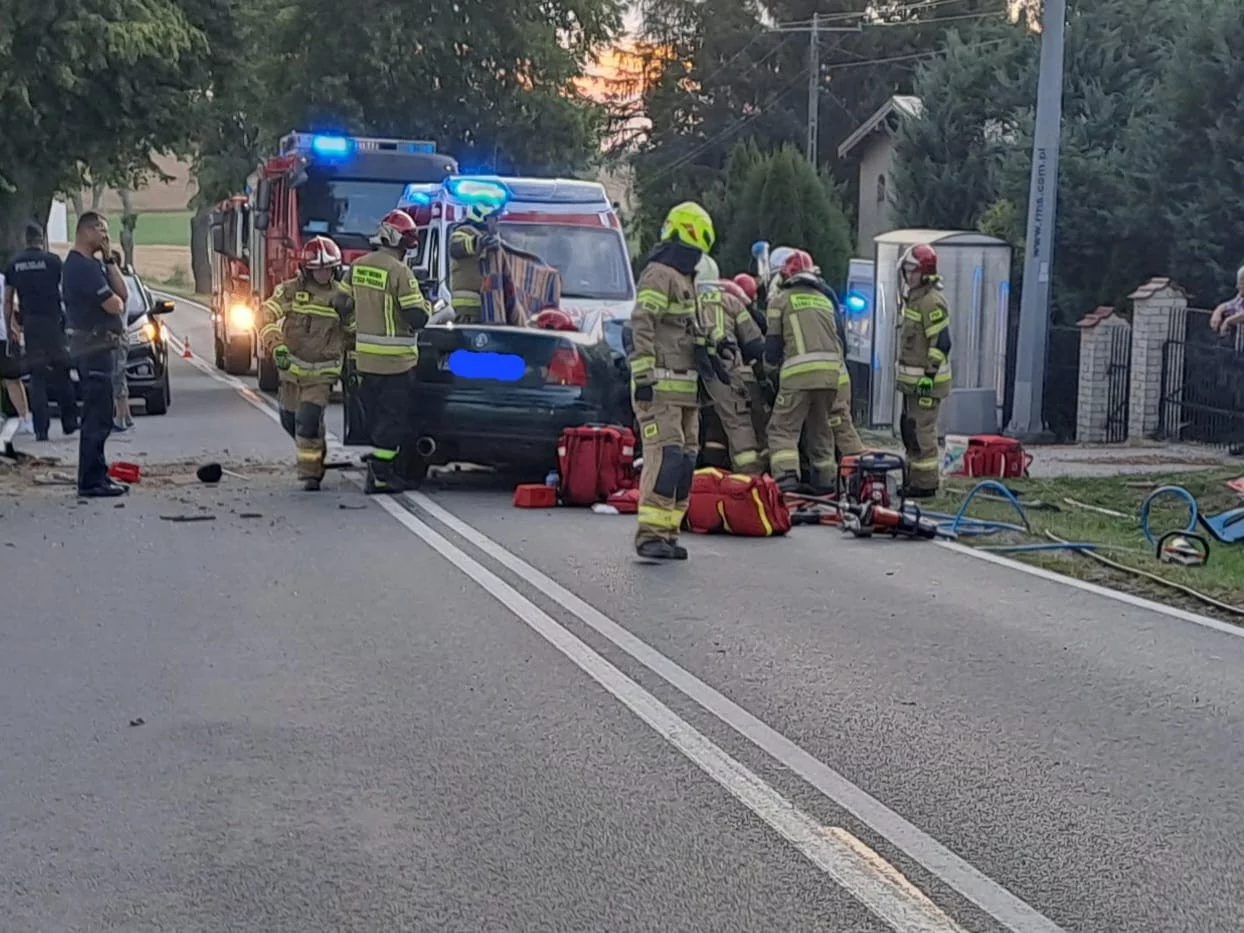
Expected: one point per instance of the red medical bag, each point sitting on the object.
(735, 504)
(595, 461)
(994, 455)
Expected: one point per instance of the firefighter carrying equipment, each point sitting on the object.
(668, 347)
(801, 344)
(723, 310)
(308, 322)
(736, 504)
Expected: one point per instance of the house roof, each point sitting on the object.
(903, 105)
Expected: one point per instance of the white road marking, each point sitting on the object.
(1138, 602)
(1013, 913)
(875, 883)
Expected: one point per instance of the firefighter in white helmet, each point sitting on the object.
(304, 328)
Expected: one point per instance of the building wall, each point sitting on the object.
(876, 214)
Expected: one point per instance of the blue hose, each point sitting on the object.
(1193, 512)
(952, 526)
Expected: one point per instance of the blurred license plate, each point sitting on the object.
(502, 367)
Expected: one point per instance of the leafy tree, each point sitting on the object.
(91, 88)
(788, 203)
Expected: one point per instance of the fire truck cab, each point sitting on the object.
(316, 184)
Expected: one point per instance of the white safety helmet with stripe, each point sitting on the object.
(319, 252)
(706, 269)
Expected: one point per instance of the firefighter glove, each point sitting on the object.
(643, 393)
(489, 241)
(343, 305)
(280, 356)
(924, 387)
(728, 351)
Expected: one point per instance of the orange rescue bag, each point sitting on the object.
(736, 504)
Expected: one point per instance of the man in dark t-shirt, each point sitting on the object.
(33, 277)
(94, 294)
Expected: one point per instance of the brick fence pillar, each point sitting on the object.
(1100, 333)
(1159, 314)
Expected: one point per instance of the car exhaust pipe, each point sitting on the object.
(425, 446)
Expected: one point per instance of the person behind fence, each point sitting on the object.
(1231, 312)
(95, 294)
(923, 374)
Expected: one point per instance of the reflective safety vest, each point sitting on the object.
(385, 291)
(924, 341)
(311, 320)
(805, 322)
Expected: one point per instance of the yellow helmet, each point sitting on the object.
(479, 212)
(690, 224)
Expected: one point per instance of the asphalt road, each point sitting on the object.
(320, 712)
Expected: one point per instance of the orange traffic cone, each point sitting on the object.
(185, 349)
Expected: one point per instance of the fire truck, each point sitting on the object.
(316, 184)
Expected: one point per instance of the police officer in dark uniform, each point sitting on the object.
(95, 295)
(34, 276)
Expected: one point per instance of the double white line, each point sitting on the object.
(872, 880)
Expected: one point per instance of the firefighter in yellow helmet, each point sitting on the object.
(801, 343)
(304, 328)
(923, 375)
(669, 353)
(390, 310)
(467, 243)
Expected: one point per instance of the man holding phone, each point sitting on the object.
(94, 293)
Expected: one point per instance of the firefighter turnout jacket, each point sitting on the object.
(665, 335)
(924, 340)
(389, 310)
(466, 280)
(723, 313)
(311, 320)
(802, 337)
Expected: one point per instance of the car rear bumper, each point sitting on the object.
(521, 428)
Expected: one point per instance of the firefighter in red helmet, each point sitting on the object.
(389, 310)
(305, 324)
(923, 373)
(802, 345)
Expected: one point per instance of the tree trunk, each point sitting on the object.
(200, 244)
(129, 220)
(75, 201)
(97, 195)
(26, 204)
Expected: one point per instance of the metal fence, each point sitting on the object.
(1062, 383)
(1118, 385)
(1202, 396)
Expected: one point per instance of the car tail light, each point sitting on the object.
(566, 368)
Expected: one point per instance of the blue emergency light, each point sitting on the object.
(416, 196)
(477, 190)
(855, 302)
(330, 145)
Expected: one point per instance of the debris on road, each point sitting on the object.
(138, 722)
(188, 518)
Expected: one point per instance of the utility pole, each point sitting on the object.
(1034, 308)
(814, 30)
(814, 87)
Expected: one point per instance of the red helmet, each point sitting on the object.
(921, 256)
(748, 284)
(553, 319)
(319, 252)
(797, 262)
(732, 287)
(397, 230)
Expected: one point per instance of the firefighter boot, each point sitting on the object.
(661, 549)
(381, 478)
(311, 485)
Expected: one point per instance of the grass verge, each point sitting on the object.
(1121, 537)
(180, 289)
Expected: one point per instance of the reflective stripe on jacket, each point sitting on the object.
(304, 315)
(924, 341)
(384, 290)
(664, 333)
(803, 321)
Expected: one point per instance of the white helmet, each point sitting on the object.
(706, 269)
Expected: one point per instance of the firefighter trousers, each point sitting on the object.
(302, 415)
(386, 406)
(670, 435)
(918, 427)
(846, 438)
(806, 412)
(733, 407)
